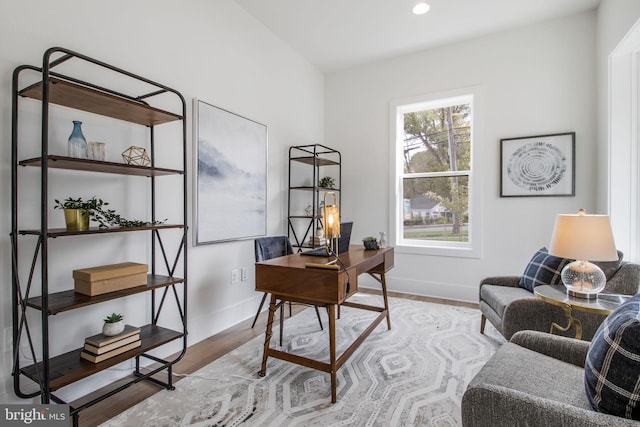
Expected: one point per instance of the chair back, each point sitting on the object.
(272, 247)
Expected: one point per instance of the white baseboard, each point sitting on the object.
(449, 291)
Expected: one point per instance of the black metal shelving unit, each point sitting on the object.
(317, 157)
(50, 372)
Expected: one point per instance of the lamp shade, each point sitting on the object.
(583, 237)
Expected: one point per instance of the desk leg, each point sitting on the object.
(572, 321)
(332, 349)
(383, 283)
(267, 336)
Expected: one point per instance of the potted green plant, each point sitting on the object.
(77, 212)
(113, 325)
(327, 182)
(370, 243)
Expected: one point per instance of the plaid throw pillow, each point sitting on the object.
(543, 269)
(612, 367)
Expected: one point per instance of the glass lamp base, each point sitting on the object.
(583, 279)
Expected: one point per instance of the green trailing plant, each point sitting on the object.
(88, 206)
(113, 318)
(369, 239)
(95, 209)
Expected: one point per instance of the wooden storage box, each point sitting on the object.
(109, 278)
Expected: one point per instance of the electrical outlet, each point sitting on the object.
(235, 275)
(244, 274)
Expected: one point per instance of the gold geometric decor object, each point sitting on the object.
(136, 156)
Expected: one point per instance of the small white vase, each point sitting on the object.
(383, 239)
(111, 329)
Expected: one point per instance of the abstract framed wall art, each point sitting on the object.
(231, 175)
(542, 165)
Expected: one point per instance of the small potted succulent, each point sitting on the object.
(113, 325)
(370, 243)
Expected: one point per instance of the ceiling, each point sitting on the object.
(338, 34)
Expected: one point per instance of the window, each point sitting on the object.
(432, 140)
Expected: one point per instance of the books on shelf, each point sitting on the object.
(100, 340)
(108, 347)
(100, 347)
(317, 241)
(95, 358)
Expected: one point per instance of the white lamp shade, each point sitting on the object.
(583, 237)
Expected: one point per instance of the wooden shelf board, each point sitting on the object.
(70, 300)
(68, 368)
(309, 188)
(320, 161)
(84, 98)
(60, 232)
(72, 163)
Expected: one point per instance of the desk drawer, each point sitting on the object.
(306, 284)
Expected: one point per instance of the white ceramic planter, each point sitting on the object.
(111, 329)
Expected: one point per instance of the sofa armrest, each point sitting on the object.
(492, 405)
(568, 350)
(501, 281)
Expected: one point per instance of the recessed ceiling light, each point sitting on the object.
(421, 8)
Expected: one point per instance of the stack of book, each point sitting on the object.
(101, 347)
(317, 241)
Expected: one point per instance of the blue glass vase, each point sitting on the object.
(77, 143)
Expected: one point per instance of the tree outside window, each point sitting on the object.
(436, 160)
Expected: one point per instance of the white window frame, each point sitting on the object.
(472, 248)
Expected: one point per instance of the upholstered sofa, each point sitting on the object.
(512, 308)
(536, 379)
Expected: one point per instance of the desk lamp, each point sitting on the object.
(584, 238)
(331, 224)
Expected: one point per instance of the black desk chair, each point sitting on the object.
(272, 247)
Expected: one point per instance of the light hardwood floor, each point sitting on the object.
(200, 355)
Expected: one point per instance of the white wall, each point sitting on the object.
(211, 50)
(615, 19)
(536, 80)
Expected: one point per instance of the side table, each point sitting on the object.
(557, 295)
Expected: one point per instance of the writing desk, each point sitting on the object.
(288, 279)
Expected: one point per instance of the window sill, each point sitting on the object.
(462, 252)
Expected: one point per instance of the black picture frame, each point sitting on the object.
(538, 166)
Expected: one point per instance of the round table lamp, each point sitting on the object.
(583, 238)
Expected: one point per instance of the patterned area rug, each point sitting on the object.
(414, 374)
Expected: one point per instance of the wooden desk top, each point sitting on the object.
(289, 278)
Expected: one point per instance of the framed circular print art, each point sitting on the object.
(542, 165)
